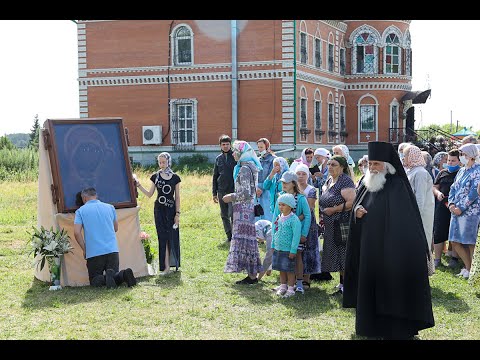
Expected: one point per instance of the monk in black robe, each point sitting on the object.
(386, 276)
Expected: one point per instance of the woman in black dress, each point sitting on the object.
(441, 190)
(166, 212)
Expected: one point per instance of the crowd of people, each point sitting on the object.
(403, 209)
(384, 233)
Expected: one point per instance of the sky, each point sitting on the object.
(39, 72)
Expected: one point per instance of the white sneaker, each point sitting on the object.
(281, 291)
(462, 272)
(289, 293)
(466, 274)
(300, 289)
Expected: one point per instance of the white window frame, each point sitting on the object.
(173, 40)
(317, 99)
(303, 101)
(174, 103)
(376, 38)
(315, 47)
(399, 56)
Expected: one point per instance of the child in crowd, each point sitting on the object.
(263, 231)
(285, 239)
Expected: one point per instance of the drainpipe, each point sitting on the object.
(294, 84)
(234, 29)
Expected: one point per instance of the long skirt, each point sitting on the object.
(243, 254)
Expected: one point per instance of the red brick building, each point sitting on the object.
(179, 84)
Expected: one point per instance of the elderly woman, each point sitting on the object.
(342, 150)
(272, 182)
(401, 147)
(464, 205)
(439, 163)
(428, 163)
(266, 160)
(363, 167)
(422, 186)
(244, 254)
(335, 203)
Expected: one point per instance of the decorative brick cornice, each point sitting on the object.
(378, 76)
(192, 67)
(319, 80)
(184, 78)
(337, 24)
(378, 86)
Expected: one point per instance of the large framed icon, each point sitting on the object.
(89, 152)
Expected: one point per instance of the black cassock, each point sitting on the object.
(386, 277)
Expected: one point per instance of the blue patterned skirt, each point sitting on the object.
(243, 254)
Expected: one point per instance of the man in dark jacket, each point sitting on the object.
(223, 183)
(386, 277)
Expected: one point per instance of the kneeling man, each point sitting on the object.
(99, 223)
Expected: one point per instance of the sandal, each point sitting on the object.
(306, 285)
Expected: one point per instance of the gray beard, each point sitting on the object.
(375, 182)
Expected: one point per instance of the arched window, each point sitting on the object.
(394, 125)
(318, 52)
(317, 106)
(303, 42)
(408, 55)
(343, 120)
(182, 46)
(365, 54)
(392, 54)
(342, 61)
(331, 49)
(303, 114)
(367, 118)
(331, 119)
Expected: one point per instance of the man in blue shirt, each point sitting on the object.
(99, 242)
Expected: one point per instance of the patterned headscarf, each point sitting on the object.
(415, 157)
(167, 156)
(438, 157)
(283, 166)
(246, 154)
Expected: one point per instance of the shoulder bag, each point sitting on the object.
(341, 228)
(257, 209)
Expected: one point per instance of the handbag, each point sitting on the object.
(430, 265)
(341, 229)
(257, 209)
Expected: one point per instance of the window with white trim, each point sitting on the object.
(330, 57)
(368, 117)
(318, 118)
(303, 48)
(342, 61)
(343, 123)
(365, 54)
(392, 54)
(183, 121)
(408, 55)
(183, 46)
(318, 53)
(331, 122)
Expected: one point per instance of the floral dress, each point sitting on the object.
(463, 193)
(244, 254)
(311, 254)
(333, 257)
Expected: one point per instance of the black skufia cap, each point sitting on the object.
(384, 151)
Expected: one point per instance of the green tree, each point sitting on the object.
(5, 143)
(34, 133)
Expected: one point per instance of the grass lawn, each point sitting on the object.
(198, 302)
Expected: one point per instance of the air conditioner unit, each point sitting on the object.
(152, 135)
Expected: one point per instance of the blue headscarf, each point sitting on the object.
(283, 166)
(246, 154)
